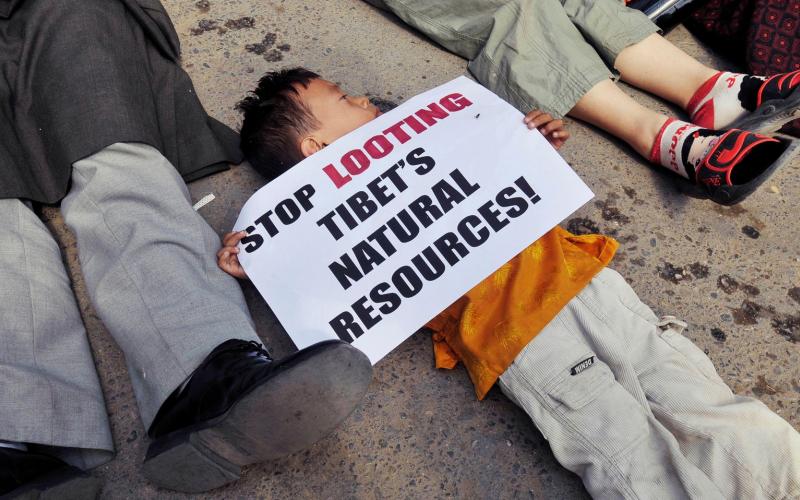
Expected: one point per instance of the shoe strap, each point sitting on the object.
(774, 86)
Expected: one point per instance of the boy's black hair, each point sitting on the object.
(274, 119)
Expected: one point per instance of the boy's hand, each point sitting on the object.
(227, 259)
(552, 130)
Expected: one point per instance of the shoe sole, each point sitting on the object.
(771, 116)
(287, 413)
(70, 484)
(731, 195)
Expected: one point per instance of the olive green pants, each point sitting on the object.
(536, 54)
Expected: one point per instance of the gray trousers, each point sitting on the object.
(543, 54)
(148, 261)
(649, 418)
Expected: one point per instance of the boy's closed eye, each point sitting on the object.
(336, 114)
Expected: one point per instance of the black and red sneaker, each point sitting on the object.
(739, 162)
(777, 102)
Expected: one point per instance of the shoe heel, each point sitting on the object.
(180, 462)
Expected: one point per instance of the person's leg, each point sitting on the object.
(49, 391)
(211, 397)
(714, 99)
(629, 120)
(535, 58)
(528, 52)
(681, 147)
(744, 448)
(535, 55)
(661, 68)
(532, 54)
(596, 418)
(628, 42)
(147, 259)
(730, 164)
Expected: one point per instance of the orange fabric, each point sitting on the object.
(487, 327)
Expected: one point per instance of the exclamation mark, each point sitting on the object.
(526, 188)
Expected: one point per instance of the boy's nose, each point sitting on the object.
(362, 101)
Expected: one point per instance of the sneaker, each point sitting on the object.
(777, 104)
(741, 161)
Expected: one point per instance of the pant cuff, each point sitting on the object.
(573, 87)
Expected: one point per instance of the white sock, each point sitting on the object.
(723, 98)
(681, 146)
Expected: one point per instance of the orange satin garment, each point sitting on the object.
(487, 327)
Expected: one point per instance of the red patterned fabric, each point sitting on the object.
(763, 34)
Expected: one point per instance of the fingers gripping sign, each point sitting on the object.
(553, 130)
(227, 256)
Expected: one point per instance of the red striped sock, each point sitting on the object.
(716, 102)
(681, 146)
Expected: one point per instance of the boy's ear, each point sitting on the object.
(310, 145)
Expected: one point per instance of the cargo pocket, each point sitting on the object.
(594, 406)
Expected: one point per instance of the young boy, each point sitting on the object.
(627, 403)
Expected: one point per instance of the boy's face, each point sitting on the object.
(337, 113)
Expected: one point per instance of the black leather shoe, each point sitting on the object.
(29, 475)
(240, 407)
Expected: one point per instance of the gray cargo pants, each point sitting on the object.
(647, 417)
(149, 266)
(543, 54)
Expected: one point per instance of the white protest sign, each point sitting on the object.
(370, 238)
